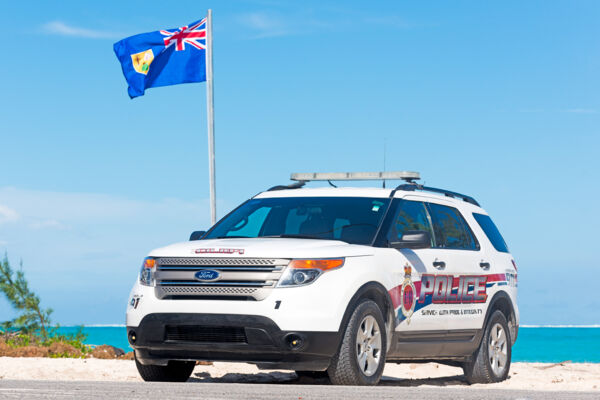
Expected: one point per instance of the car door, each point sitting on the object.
(410, 265)
(459, 287)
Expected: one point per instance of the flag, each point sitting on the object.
(163, 58)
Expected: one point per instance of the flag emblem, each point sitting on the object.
(164, 57)
(141, 61)
(195, 36)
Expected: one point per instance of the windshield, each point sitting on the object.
(350, 219)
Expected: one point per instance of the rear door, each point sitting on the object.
(459, 286)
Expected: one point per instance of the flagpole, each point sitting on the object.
(210, 118)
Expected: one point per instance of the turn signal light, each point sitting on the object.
(148, 263)
(323, 264)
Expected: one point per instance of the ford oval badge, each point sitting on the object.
(207, 275)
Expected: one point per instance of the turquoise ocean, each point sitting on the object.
(534, 343)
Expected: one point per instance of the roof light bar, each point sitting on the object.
(355, 176)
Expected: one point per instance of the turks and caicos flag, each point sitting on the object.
(163, 58)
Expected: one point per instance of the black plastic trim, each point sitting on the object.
(502, 295)
(295, 185)
(266, 344)
(457, 344)
(366, 291)
(411, 187)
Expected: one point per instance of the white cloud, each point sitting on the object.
(266, 24)
(60, 28)
(7, 214)
(272, 23)
(82, 251)
(581, 111)
(39, 209)
(47, 223)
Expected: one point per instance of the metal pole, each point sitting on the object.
(210, 119)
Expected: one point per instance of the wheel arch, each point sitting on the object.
(376, 292)
(502, 302)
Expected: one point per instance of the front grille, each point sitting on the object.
(213, 262)
(175, 290)
(248, 278)
(205, 334)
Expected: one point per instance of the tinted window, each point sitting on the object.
(351, 219)
(410, 216)
(251, 226)
(492, 232)
(450, 229)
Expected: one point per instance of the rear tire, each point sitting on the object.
(491, 362)
(361, 357)
(175, 371)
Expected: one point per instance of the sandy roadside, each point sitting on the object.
(522, 375)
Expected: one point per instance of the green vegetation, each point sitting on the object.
(31, 330)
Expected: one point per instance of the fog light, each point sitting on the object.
(294, 342)
(132, 337)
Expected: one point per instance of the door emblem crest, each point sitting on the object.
(408, 294)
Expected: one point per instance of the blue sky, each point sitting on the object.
(495, 99)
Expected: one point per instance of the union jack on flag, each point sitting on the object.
(195, 36)
(161, 58)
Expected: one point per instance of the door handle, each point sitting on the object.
(484, 265)
(439, 264)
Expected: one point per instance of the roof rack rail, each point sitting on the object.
(415, 186)
(295, 185)
(408, 176)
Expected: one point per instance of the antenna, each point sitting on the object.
(384, 151)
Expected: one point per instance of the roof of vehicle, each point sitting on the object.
(411, 187)
(328, 192)
(361, 192)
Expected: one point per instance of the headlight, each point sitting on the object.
(147, 271)
(304, 272)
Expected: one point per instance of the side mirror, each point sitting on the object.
(413, 240)
(197, 235)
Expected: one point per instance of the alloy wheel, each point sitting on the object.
(368, 345)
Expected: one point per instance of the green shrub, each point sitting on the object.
(32, 326)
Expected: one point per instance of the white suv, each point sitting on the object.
(331, 279)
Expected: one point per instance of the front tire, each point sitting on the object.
(491, 362)
(174, 371)
(361, 357)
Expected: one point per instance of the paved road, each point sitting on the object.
(161, 391)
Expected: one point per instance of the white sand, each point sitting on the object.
(522, 375)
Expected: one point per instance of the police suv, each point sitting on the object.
(334, 281)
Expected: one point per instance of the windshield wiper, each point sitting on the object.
(232, 237)
(292, 236)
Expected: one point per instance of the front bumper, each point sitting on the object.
(161, 337)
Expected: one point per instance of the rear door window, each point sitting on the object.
(492, 232)
(450, 229)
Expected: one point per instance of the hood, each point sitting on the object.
(263, 248)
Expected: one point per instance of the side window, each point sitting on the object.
(492, 232)
(410, 216)
(450, 229)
